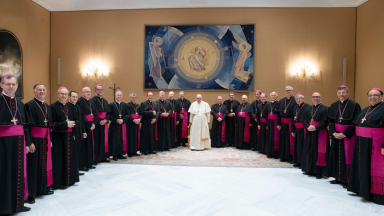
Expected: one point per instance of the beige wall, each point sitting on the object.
(369, 49)
(31, 25)
(285, 37)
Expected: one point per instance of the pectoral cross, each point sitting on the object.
(363, 120)
(294, 118)
(91, 114)
(67, 119)
(136, 113)
(261, 115)
(340, 119)
(45, 121)
(120, 116)
(14, 120)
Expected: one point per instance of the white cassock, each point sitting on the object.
(199, 117)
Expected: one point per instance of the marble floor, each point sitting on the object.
(123, 189)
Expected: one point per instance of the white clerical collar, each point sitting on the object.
(72, 103)
(8, 95)
(273, 101)
(317, 104)
(118, 102)
(39, 100)
(62, 103)
(343, 100)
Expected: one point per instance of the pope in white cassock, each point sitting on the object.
(198, 122)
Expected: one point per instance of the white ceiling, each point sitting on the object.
(75, 5)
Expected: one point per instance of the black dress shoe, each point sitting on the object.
(137, 155)
(85, 169)
(152, 152)
(121, 157)
(296, 165)
(81, 173)
(93, 167)
(62, 187)
(48, 193)
(115, 158)
(334, 182)
(276, 157)
(345, 185)
(130, 155)
(30, 200)
(145, 153)
(319, 176)
(105, 161)
(25, 209)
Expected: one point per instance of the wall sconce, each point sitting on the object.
(93, 70)
(305, 71)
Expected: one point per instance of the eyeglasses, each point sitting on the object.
(64, 94)
(375, 95)
(315, 97)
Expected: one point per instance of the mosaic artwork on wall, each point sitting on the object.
(11, 59)
(208, 57)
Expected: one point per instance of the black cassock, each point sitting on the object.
(100, 131)
(254, 130)
(116, 131)
(38, 113)
(173, 118)
(217, 136)
(262, 122)
(286, 139)
(148, 131)
(78, 129)
(361, 178)
(13, 188)
(312, 160)
(64, 158)
(272, 145)
(86, 154)
(182, 107)
(230, 121)
(133, 130)
(244, 114)
(299, 131)
(337, 166)
(163, 128)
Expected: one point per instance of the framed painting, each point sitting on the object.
(11, 58)
(199, 57)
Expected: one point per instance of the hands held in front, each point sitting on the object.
(219, 119)
(120, 121)
(103, 122)
(177, 122)
(165, 114)
(311, 128)
(136, 121)
(70, 124)
(93, 127)
(338, 135)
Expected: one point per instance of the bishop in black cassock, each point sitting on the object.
(174, 119)
(298, 130)
(286, 113)
(230, 122)
(254, 128)
(64, 158)
(88, 111)
(340, 115)
(100, 133)
(14, 136)
(262, 123)
(163, 127)
(316, 144)
(133, 126)
(182, 107)
(118, 141)
(244, 114)
(39, 169)
(273, 122)
(366, 178)
(219, 113)
(148, 131)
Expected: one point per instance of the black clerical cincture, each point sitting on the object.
(46, 113)
(14, 120)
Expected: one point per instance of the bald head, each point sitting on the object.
(219, 100)
(86, 93)
(199, 98)
(316, 98)
(244, 99)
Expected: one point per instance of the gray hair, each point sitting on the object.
(181, 92)
(8, 77)
(82, 90)
(161, 92)
(342, 88)
(132, 95)
(270, 94)
(288, 87)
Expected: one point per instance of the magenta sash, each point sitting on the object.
(156, 125)
(174, 116)
(300, 125)
(263, 120)
(247, 117)
(348, 146)
(17, 130)
(184, 126)
(103, 115)
(90, 118)
(276, 133)
(125, 143)
(137, 117)
(222, 127)
(377, 159)
(322, 139)
(40, 132)
(291, 138)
